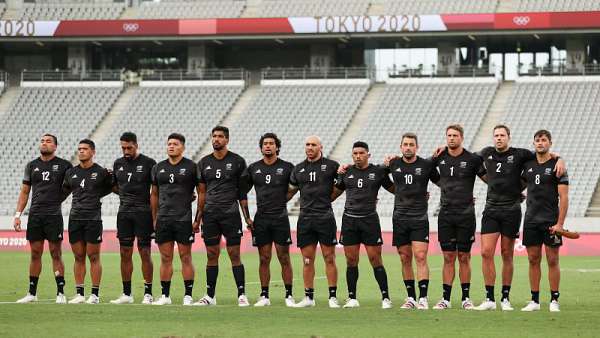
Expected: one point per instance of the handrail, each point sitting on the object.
(561, 70)
(69, 75)
(203, 74)
(317, 73)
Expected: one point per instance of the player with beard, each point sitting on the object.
(221, 191)
(270, 178)
(132, 181)
(315, 178)
(43, 179)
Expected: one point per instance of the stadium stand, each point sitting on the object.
(286, 8)
(73, 10)
(191, 9)
(69, 113)
(425, 107)
(554, 6)
(436, 6)
(571, 111)
(154, 113)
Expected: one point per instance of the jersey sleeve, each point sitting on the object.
(479, 167)
(484, 152)
(246, 178)
(526, 154)
(107, 183)
(434, 174)
(153, 175)
(242, 186)
(293, 179)
(339, 182)
(201, 178)
(385, 177)
(66, 186)
(27, 174)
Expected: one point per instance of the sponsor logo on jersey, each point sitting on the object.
(398, 170)
(55, 167)
(94, 176)
(301, 170)
(372, 176)
(379, 240)
(510, 159)
(182, 171)
(490, 157)
(74, 176)
(443, 162)
(162, 171)
(258, 171)
(228, 166)
(121, 169)
(191, 238)
(463, 164)
(36, 169)
(323, 167)
(139, 168)
(418, 171)
(548, 171)
(279, 171)
(530, 170)
(351, 176)
(207, 168)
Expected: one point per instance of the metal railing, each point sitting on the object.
(560, 70)
(68, 75)
(433, 71)
(317, 73)
(198, 75)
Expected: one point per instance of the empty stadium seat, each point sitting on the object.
(69, 113)
(191, 9)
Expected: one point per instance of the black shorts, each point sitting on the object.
(87, 231)
(271, 229)
(357, 230)
(456, 231)
(217, 224)
(171, 230)
(45, 227)
(131, 225)
(506, 222)
(535, 234)
(410, 230)
(320, 229)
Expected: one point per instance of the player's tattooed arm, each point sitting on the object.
(563, 207)
(154, 204)
(336, 193)
(201, 202)
(66, 187)
(21, 204)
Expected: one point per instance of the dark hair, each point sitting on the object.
(224, 129)
(411, 135)
(53, 138)
(89, 143)
(274, 137)
(360, 144)
(129, 137)
(502, 126)
(177, 136)
(456, 127)
(543, 132)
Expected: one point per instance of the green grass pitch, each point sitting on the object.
(580, 305)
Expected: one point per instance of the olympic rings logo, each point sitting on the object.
(130, 27)
(521, 20)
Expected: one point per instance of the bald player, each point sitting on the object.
(315, 178)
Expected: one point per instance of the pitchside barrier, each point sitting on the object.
(586, 245)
